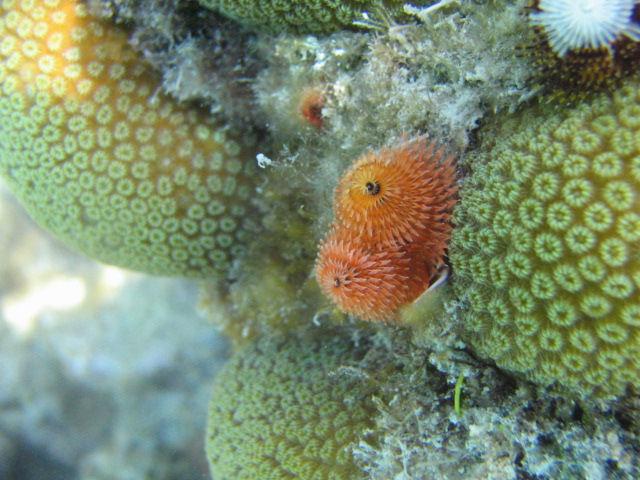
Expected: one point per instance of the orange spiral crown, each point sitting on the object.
(401, 195)
(369, 284)
(393, 211)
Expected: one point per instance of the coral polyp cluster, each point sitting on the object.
(586, 45)
(281, 410)
(106, 162)
(546, 249)
(391, 230)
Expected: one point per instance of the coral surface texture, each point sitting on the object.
(546, 251)
(282, 409)
(105, 161)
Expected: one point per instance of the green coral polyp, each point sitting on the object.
(555, 296)
(281, 410)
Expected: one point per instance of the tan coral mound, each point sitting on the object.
(546, 249)
(103, 159)
(282, 409)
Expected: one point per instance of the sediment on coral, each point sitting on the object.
(200, 55)
(505, 429)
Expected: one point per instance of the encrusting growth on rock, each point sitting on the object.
(302, 16)
(392, 226)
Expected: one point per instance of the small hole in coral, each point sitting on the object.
(519, 458)
(577, 414)
(624, 419)
(546, 440)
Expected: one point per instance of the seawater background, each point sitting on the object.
(104, 373)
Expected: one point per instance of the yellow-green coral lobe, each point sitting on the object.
(104, 160)
(555, 296)
(281, 409)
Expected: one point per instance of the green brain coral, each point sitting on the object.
(301, 16)
(281, 409)
(546, 251)
(101, 158)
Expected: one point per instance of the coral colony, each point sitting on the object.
(546, 252)
(276, 409)
(146, 184)
(542, 237)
